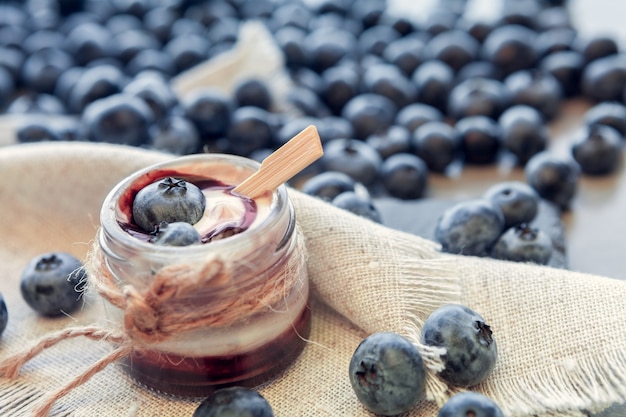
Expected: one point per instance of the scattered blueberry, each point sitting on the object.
(357, 204)
(469, 228)
(168, 200)
(395, 139)
(598, 149)
(481, 139)
(4, 315)
(604, 78)
(471, 349)
(210, 111)
(174, 134)
(387, 374)
(234, 402)
(328, 185)
(554, 178)
(469, 403)
(478, 96)
(438, 144)
(524, 133)
(434, 80)
(253, 92)
(404, 176)
(610, 113)
(523, 243)
(353, 157)
(518, 201)
(52, 283)
(369, 113)
(537, 89)
(250, 129)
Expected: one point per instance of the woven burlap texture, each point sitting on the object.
(561, 335)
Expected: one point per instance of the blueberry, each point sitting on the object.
(566, 67)
(610, 113)
(168, 200)
(524, 133)
(174, 134)
(388, 81)
(469, 403)
(234, 402)
(35, 130)
(404, 176)
(456, 48)
(555, 40)
(523, 243)
(253, 92)
(88, 42)
(369, 113)
(120, 118)
(153, 60)
(471, 349)
(375, 39)
(405, 53)
(357, 204)
(41, 69)
(353, 157)
(554, 178)
(328, 185)
(33, 103)
(510, 47)
(416, 114)
(328, 45)
(438, 144)
(469, 227)
(210, 111)
(434, 79)
(387, 374)
(604, 79)
(4, 315)
(481, 139)
(187, 50)
(536, 89)
(175, 234)
(478, 97)
(291, 40)
(153, 88)
(596, 47)
(95, 83)
(598, 149)
(52, 283)
(396, 139)
(518, 201)
(250, 129)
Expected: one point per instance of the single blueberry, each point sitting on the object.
(566, 67)
(388, 81)
(455, 47)
(95, 83)
(234, 402)
(404, 176)
(153, 88)
(329, 45)
(35, 130)
(328, 185)
(438, 144)
(469, 227)
(434, 79)
(396, 139)
(406, 53)
(387, 374)
(554, 178)
(604, 78)
(596, 47)
(4, 315)
(253, 92)
(469, 403)
(471, 349)
(518, 201)
(369, 113)
(52, 283)
(250, 128)
(524, 133)
(510, 48)
(175, 234)
(481, 139)
(153, 60)
(174, 134)
(478, 97)
(187, 50)
(170, 200)
(598, 149)
(358, 204)
(610, 113)
(523, 243)
(210, 111)
(416, 114)
(353, 157)
(537, 89)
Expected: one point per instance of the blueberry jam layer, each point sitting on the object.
(197, 376)
(226, 213)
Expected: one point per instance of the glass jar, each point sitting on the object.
(252, 316)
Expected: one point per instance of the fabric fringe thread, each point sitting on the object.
(149, 317)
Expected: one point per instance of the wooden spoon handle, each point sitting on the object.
(288, 160)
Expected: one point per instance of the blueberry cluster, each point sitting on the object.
(499, 224)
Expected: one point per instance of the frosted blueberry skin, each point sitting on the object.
(357, 204)
(51, 283)
(234, 402)
(387, 374)
(471, 350)
(524, 133)
(353, 157)
(523, 243)
(176, 234)
(470, 403)
(404, 176)
(328, 185)
(168, 200)
(555, 179)
(610, 113)
(598, 149)
(4, 315)
(438, 144)
(469, 228)
(518, 201)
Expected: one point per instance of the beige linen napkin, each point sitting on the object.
(561, 335)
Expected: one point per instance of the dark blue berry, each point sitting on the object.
(604, 78)
(566, 67)
(554, 178)
(523, 243)
(33, 103)
(153, 88)
(406, 53)
(52, 283)
(598, 149)
(358, 204)
(388, 81)
(187, 50)
(537, 89)
(175, 134)
(438, 144)
(353, 157)
(510, 48)
(518, 201)
(404, 176)
(4, 315)
(210, 111)
(469, 403)
(469, 227)
(95, 83)
(120, 118)
(175, 234)
(610, 113)
(369, 113)
(253, 92)
(250, 129)
(481, 139)
(387, 374)
(455, 48)
(434, 79)
(471, 349)
(234, 402)
(168, 200)
(478, 97)
(35, 130)
(416, 114)
(524, 133)
(328, 185)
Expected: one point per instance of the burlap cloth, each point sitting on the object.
(561, 335)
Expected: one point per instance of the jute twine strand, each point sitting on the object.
(168, 306)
